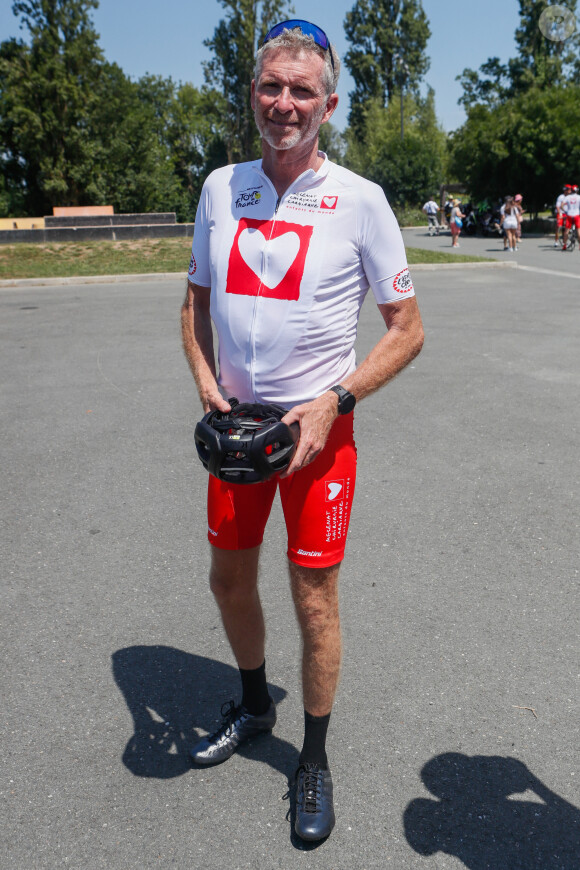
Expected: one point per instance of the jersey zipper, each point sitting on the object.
(256, 301)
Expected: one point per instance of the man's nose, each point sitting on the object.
(284, 102)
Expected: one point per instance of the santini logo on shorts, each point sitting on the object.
(192, 267)
(309, 553)
(402, 282)
(267, 259)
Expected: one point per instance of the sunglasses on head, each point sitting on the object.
(305, 27)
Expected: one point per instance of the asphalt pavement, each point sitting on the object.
(454, 739)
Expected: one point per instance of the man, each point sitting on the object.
(560, 216)
(571, 209)
(431, 208)
(283, 253)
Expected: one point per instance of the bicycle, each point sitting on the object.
(572, 238)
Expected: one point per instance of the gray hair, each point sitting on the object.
(299, 42)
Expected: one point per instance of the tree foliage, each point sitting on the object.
(409, 169)
(540, 62)
(230, 71)
(388, 40)
(518, 145)
(76, 130)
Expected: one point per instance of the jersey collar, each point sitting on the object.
(307, 179)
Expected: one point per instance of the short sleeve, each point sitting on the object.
(199, 266)
(382, 248)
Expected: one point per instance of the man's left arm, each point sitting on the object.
(401, 344)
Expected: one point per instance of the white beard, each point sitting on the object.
(293, 138)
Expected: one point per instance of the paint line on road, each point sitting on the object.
(551, 272)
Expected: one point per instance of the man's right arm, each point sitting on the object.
(197, 337)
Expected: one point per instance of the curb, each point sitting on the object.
(490, 264)
(92, 279)
(167, 276)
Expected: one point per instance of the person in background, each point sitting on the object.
(521, 211)
(571, 208)
(455, 222)
(447, 208)
(431, 208)
(560, 216)
(509, 222)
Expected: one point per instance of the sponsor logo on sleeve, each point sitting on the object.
(192, 266)
(267, 259)
(402, 282)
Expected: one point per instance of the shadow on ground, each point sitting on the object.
(492, 813)
(171, 695)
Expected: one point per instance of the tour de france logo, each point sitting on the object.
(267, 259)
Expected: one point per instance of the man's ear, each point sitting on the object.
(331, 104)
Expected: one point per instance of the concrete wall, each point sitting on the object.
(20, 223)
(91, 234)
(115, 220)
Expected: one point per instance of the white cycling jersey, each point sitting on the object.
(572, 205)
(560, 203)
(288, 275)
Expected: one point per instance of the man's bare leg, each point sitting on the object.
(315, 594)
(234, 583)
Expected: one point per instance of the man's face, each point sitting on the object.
(289, 100)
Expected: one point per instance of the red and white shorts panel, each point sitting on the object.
(316, 502)
(573, 220)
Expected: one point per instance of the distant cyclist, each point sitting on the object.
(571, 208)
(560, 216)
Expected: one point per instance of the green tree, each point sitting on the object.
(517, 146)
(76, 130)
(540, 62)
(47, 91)
(231, 70)
(388, 40)
(409, 170)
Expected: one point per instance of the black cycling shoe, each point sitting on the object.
(237, 727)
(314, 807)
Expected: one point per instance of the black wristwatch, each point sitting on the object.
(346, 400)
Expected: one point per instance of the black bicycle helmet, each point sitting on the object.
(247, 444)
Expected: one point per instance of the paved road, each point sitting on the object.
(454, 742)
(534, 252)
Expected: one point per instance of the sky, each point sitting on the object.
(165, 37)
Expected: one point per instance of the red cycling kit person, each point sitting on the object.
(560, 217)
(284, 251)
(571, 209)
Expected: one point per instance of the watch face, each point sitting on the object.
(346, 403)
(346, 400)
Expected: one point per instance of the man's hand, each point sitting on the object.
(214, 402)
(315, 420)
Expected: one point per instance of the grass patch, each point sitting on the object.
(77, 259)
(424, 255)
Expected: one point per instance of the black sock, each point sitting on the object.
(313, 750)
(255, 697)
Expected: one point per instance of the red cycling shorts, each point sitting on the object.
(570, 221)
(316, 502)
(559, 220)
